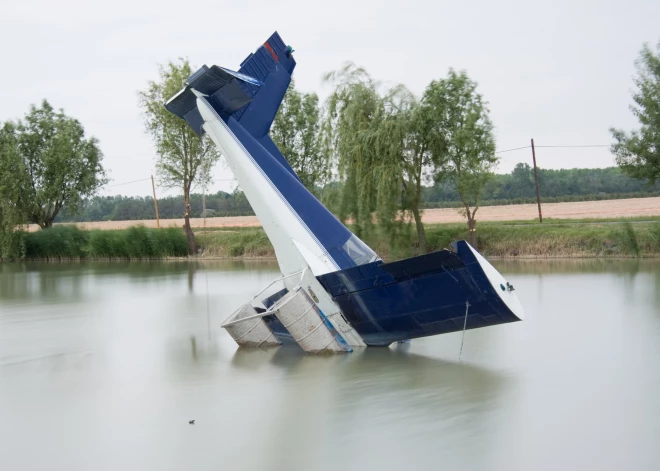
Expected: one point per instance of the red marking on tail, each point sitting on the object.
(272, 53)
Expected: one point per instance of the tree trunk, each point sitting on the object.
(472, 227)
(192, 245)
(421, 233)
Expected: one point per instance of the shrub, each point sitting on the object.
(134, 243)
(57, 242)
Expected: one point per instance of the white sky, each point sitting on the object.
(560, 72)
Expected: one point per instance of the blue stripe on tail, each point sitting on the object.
(247, 102)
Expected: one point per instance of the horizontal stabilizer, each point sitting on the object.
(221, 86)
(251, 96)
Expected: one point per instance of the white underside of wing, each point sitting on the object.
(295, 247)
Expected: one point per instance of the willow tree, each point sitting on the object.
(184, 159)
(460, 135)
(296, 131)
(638, 152)
(379, 145)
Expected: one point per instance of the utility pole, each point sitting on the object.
(204, 206)
(153, 187)
(536, 180)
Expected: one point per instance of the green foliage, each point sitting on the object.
(11, 214)
(169, 242)
(47, 164)
(387, 145)
(654, 233)
(574, 238)
(12, 244)
(128, 208)
(67, 242)
(296, 132)
(59, 242)
(377, 141)
(236, 242)
(556, 186)
(353, 110)
(630, 238)
(638, 152)
(108, 244)
(461, 139)
(183, 158)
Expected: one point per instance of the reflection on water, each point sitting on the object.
(577, 265)
(103, 364)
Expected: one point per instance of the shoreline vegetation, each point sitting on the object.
(525, 239)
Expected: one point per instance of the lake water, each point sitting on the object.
(103, 364)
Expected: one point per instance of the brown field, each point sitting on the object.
(634, 207)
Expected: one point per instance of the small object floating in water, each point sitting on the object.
(191, 422)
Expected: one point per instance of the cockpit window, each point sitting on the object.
(359, 252)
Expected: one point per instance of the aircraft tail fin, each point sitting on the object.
(272, 64)
(252, 95)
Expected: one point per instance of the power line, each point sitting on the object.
(127, 183)
(157, 181)
(496, 152)
(565, 147)
(511, 150)
(594, 145)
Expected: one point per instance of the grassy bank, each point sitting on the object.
(570, 238)
(69, 242)
(553, 238)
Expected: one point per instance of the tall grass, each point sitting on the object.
(236, 242)
(654, 234)
(139, 242)
(57, 243)
(630, 238)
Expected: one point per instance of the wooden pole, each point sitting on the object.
(204, 206)
(536, 180)
(153, 187)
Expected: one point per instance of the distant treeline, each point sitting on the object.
(554, 186)
(130, 208)
(516, 187)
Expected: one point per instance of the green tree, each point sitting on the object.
(11, 205)
(184, 159)
(461, 139)
(296, 132)
(522, 181)
(378, 141)
(353, 110)
(638, 152)
(52, 165)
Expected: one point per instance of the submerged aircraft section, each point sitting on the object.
(334, 292)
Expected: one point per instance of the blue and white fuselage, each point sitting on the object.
(350, 292)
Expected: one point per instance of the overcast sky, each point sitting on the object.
(560, 72)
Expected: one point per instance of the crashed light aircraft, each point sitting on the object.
(334, 293)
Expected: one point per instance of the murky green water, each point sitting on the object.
(102, 366)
